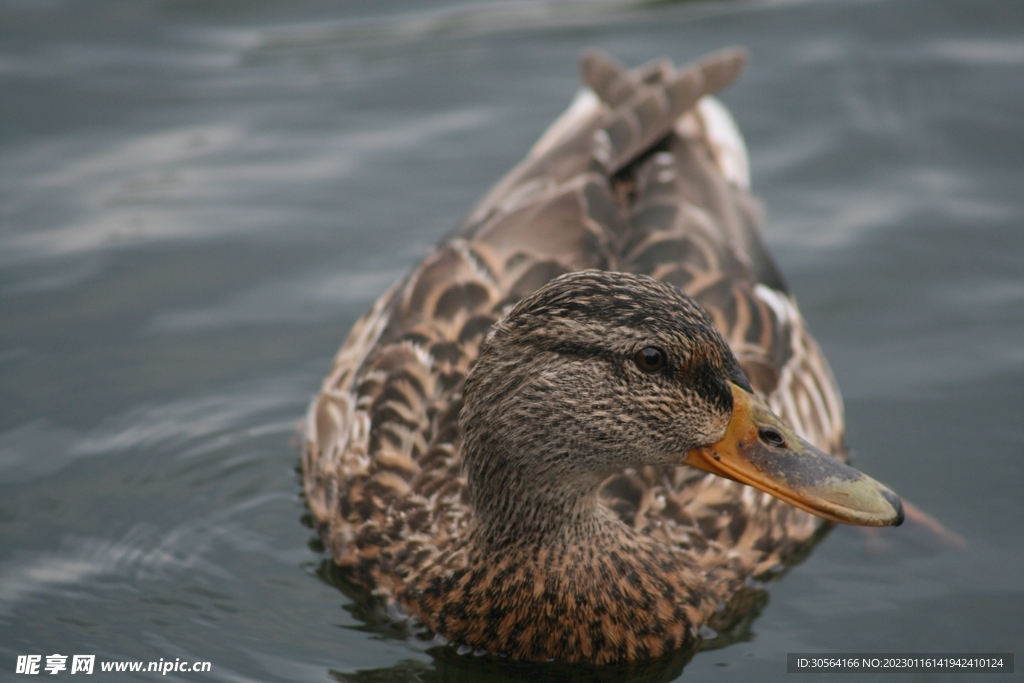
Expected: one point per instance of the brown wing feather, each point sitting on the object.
(630, 180)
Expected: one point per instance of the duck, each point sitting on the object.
(593, 414)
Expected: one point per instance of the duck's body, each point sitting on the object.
(629, 560)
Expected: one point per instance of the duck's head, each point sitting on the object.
(599, 371)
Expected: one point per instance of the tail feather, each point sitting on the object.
(647, 102)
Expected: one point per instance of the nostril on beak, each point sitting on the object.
(771, 437)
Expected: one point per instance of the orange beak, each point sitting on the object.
(760, 451)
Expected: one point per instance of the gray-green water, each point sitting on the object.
(197, 199)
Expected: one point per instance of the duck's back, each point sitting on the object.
(642, 174)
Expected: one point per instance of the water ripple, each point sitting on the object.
(186, 428)
(192, 183)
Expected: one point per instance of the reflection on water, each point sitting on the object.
(196, 201)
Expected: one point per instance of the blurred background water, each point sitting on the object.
(197, 199)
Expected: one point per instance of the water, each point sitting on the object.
(197, 200)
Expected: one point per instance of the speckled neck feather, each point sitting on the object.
(609, 595)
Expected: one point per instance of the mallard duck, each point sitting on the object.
(580, 425)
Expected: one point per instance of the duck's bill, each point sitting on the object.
(759, 450)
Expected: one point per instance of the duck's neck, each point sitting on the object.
(612, 595)
(543, 503)
(547, 572)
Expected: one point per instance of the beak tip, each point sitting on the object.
(897, 505)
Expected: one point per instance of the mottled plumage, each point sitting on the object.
(644, 175)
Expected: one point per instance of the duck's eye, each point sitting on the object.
(650, 359)
(771, 437)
